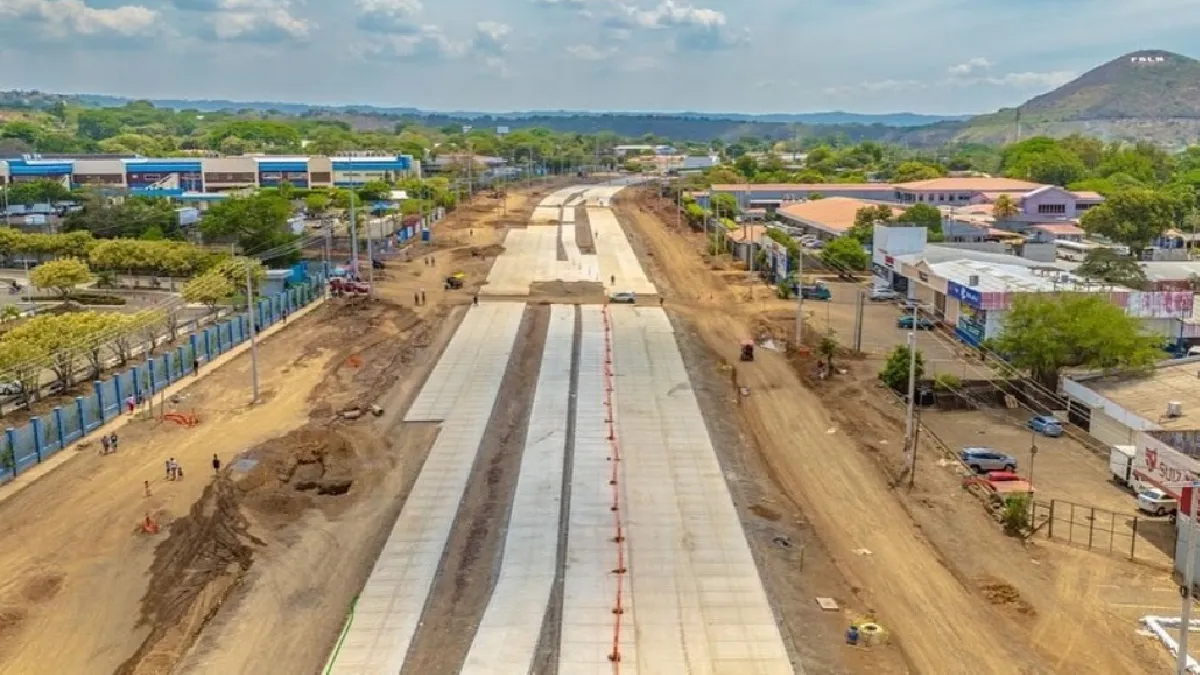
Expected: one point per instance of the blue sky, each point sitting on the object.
(932, 56)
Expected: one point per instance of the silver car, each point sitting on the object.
(983, 460)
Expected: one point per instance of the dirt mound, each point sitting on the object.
(492, 251)
(203, 557)
(43, 587)
(308, 460)
(1000, 593)
(562, 289)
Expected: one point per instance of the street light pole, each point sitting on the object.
(1185, 616)
(253, 331)
(910, 417)
(353, 235)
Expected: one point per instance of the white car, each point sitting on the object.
(623, 298)
(1156, 502)
(882, 294)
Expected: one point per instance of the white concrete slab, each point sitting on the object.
(620, 269)
(508, 634)
(589, 588)
(390, 605)
(701, 605)
(484, 330)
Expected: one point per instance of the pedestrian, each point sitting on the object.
(432, 260)
(475, 300)
(660, 301)
(147, 484)
(168, 466)
(112, 441)
(178, 471)
(416, 299)
(130, 403)
(216, 464)
(612, 280)
(196, 365)
(422, 297)
(285, 313)
(104, 445)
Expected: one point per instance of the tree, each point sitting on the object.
(127, 334)
(316, 203)
(1134, 217)
(258, 223)
(61, 276)
(95, 330)
(827, 349)
(65, 338)
(923, 215)
(21, 360)
(895, 370)
(845, 254)
(209, 289)
(865, 219)
(1107, 266)
(746, 165)
(1005, 207)
(725, 204)
(913, 171)
(1041, 159)
(1044, 334)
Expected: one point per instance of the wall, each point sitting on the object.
(31, 444)
(1110, 431)
(1031, 202)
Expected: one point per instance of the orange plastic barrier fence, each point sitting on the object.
(614, 481)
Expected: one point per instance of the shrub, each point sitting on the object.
(98, 299)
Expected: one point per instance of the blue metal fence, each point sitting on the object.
(26, 446)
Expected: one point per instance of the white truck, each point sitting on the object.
(1120, 464)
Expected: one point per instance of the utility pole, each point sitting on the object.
(370, 264)
(799, 298)
(353, 236)
(909, 420)
(328, 246)
(859, 305)
(1185, 616)
(250, 310)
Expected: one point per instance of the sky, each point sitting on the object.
(753, 56)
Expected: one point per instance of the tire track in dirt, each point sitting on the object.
(471, 562)
(943, 627)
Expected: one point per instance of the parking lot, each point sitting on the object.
(1089, 509)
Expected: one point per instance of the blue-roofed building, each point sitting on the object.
(176, 176)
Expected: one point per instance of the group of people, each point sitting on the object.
(174, 471)
(419, 297)
(108, 444)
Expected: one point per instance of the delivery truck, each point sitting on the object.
(1120, 464)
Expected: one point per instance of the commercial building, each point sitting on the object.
(187, 177)
(973, 291)
(827, 218)
(775, 195)
(1158, 413)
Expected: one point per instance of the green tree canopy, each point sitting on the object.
(257, 223)
(895, 369)
(61, 276)
(1134, 217)
(1106, 265)
(1044, 333)
(845, 254)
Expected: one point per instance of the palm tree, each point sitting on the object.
(1004, 207)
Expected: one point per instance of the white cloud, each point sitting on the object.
(388, 16)
(696, 28)
(491, 38)
(422, 43)
(572, 4)
(589, 53)
(1048, 80)
(65, 18)
(970, 66)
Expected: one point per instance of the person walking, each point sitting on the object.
(216, 464)
(195, 366)
(130, 403)
(416, 299)
(422, 297)
(104, 445)
(168, 467)
(112, 441)
(475, 300)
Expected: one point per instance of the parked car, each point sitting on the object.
(985, 460)
(623, 298)
(1046, 425)
(907, 322)
(13, 388)
(882, 294)
(1156, 502)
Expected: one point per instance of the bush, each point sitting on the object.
(895, 371)
(947, 381)
(98, 299)
(1015, 515)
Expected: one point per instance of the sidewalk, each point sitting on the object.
(30, 476)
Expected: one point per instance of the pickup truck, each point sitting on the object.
(998, 486)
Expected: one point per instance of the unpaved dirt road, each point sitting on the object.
(253, 569)
(942, 625)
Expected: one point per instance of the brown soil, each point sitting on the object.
(228, 585)
(472, 558)
(576, 292)
(583, 232)
(937, 561)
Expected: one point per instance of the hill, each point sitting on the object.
(1149, 95)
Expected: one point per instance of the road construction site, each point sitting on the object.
(553, 484)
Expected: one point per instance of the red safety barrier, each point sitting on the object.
(614, 481)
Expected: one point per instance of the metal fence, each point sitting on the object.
(1098, 529)
(24, 447)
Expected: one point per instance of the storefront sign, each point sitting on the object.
(970, 296)
(1162, 465)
